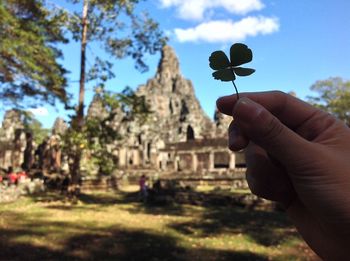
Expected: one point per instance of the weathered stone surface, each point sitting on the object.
(176, 131)
(222, 123)
(96, 109)
(59, 127)
(176, 109)
(12, 140)
(11, 123)
(178, 135)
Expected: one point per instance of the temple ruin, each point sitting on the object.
(178, 138)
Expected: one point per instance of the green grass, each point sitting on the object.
(116, 226)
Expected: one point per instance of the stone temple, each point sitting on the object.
(179, 137)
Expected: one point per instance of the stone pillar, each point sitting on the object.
(176, 163)
(18, 149)
(28, 152)
(211, 161)
(122, 157)
(7, 159)
(232, 161)
(164, 160)
(194, 162)
(136, 157)
(159, 163)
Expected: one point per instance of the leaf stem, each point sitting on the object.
(235, 89)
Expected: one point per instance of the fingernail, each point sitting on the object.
(246, 110)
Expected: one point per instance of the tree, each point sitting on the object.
(32, 125)
(333, 97)
(99, 131)
(121, 33)
(29, 70)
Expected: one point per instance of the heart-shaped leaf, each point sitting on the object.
(226, 69)
(218, 60)
(240, 71)
(224, 75)
(240, 54)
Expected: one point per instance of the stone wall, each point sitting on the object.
(179, 136)
(12, 140)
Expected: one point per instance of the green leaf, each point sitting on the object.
(240, 54)
(224, 75)
(243, 71)
(218, 60)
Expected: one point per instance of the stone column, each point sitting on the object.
(164, 160)
(122, 157)
(28, 152)
(232, 161)
(194, 161)
(7, 159)
(177, 163)
(136, 157)
(211, 161)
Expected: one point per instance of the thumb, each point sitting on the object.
(267, 131)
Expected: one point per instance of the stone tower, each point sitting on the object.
(176, 119)
(177, 111)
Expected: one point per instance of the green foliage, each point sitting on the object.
(32, 125)
(135, 107)
(28, 56)
(35, 127)
(225, 69)
(116, 27)
(120, 31)
(94, 139)
(333, 97)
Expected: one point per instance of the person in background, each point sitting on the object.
(299, 156)
(12, 176)
(21, 175)
(143, 187)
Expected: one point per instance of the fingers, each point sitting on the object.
(289, 110)
(236, 138)
(266, 179)
(265, 130)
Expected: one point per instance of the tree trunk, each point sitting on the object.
(84, 25)
(74, 186)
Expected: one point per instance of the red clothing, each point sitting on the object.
(12, 177)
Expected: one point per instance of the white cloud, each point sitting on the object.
(223, 31)
(41, 111)
(195, 9)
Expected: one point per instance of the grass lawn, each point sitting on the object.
(116, 226)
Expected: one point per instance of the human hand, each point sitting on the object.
(299, 156)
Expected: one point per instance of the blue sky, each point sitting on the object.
(294, 43)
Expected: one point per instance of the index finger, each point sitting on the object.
(290, 110)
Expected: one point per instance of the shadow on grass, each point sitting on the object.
(267, 228)
(114, 243)
(264, 227)
(96, 198)
(132, 199)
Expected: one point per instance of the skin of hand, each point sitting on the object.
(298, 156)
